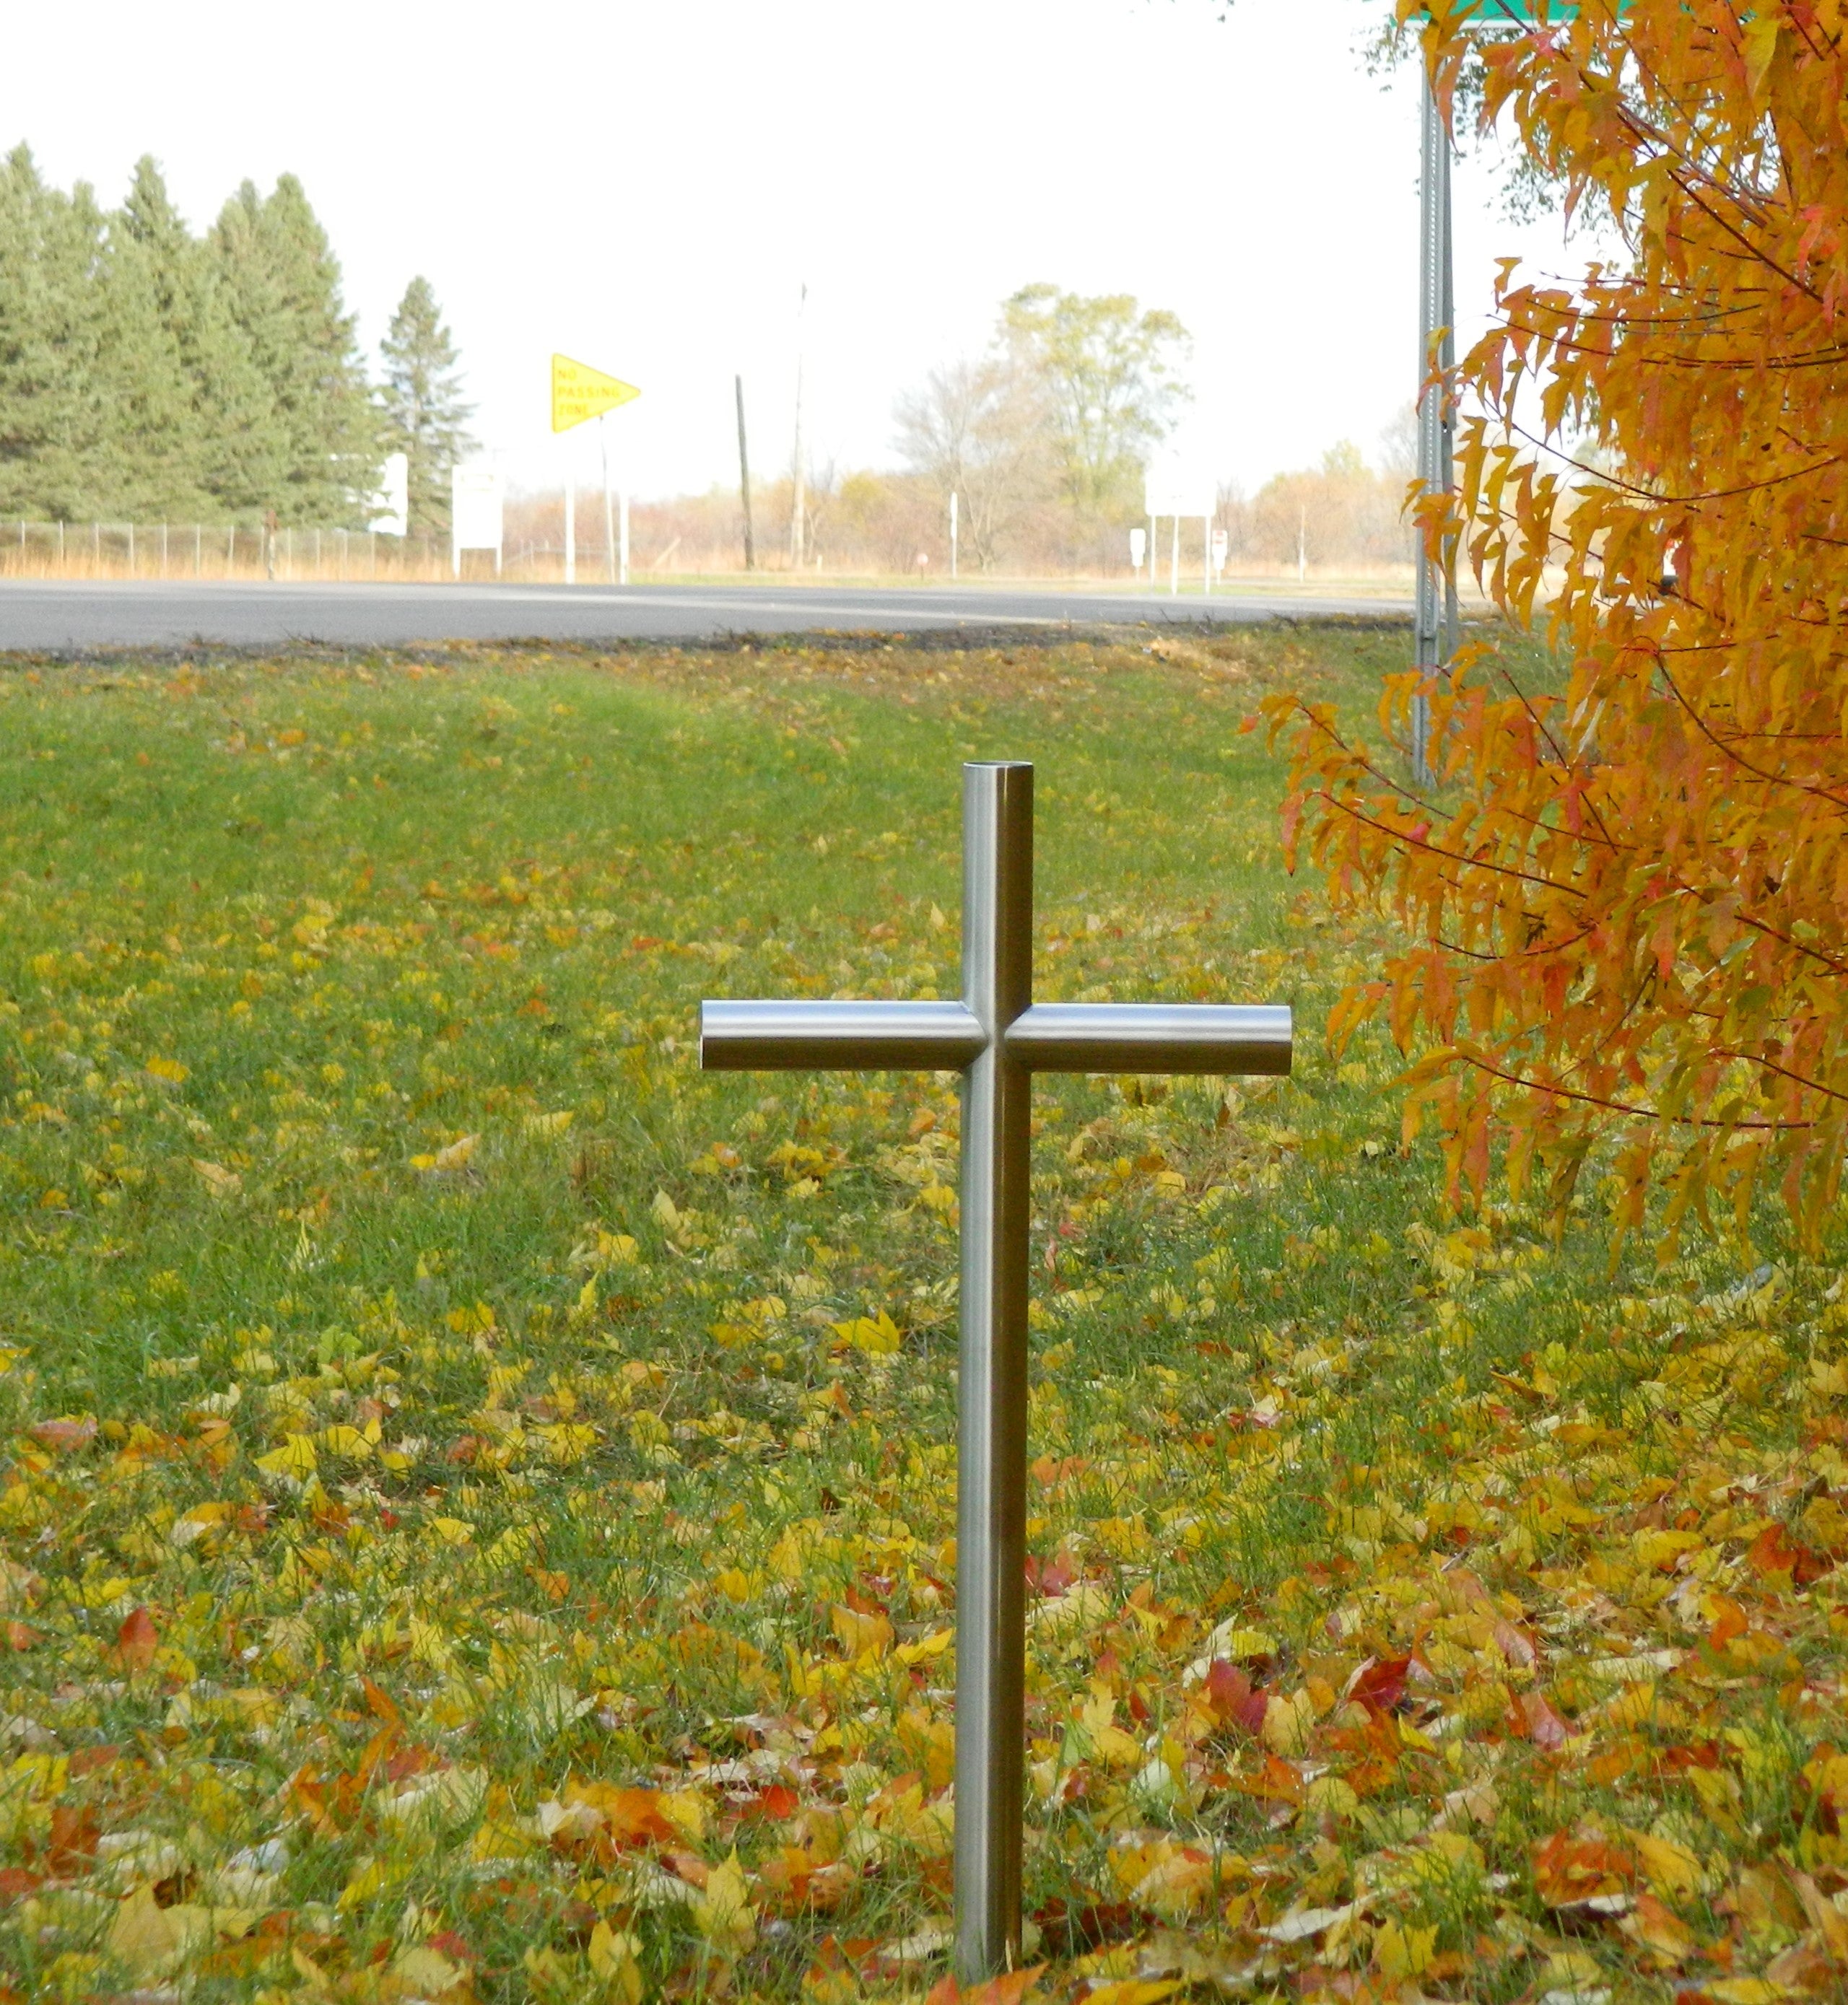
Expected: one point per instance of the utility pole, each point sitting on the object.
(750, 555)
(1436, 617)
(798, 506)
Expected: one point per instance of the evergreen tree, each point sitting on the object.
(283, 287)
(224, 454)
(52, 420)
(423, 404)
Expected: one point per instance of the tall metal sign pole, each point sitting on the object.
(580, 392)
(1436, 610)
(750, 555)
(998, 1038)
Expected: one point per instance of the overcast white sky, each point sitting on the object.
(646, 186)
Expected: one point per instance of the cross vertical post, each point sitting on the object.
(998, 1038)
(991, 1525)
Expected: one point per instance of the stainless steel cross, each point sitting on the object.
(997, 1036)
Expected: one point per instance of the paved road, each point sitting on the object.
(52, 616)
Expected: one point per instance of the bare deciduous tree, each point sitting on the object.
(977, 429)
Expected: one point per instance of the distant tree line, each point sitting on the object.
(147, 373)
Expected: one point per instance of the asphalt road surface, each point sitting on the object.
(54, 617)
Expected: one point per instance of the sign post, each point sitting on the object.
(475, 511)
(1177, 491)
(953, 533)
(997, 1036)
(579, 393)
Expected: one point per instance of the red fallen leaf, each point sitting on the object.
(1378, 1683)
(775, 1804)
(1230, 1694)
(1089, 1927)
(453, 1946)
(136, 1641)
(1569, 1867)
(87, 1761)
(1056, 1577)
(20, 1635)
(631, 1816)
(64, 1435)
(73, 1837)
(464, 1450)
(1537, 1721)
(1775, 1552)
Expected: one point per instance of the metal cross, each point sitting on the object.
(997, 1036)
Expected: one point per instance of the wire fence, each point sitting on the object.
(230, 550)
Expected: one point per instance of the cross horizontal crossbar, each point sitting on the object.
(947, 1037)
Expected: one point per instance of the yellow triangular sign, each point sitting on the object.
(579, 392)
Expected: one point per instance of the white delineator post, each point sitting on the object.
(997, 1037)
(622, 537)
(609, 511)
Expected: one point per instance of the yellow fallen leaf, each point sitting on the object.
(428, 1972)
(151, 1939)
(864, 1635)
(614, 1956)
(1670, 1868)
(1400, 1951)
(567, 1441)
(193, 1524)
(456, 1155)
(550, 1124)
(296, 1457)
(168, 1070)
(878, 1337)
(219, 1180)
(345, 1440)
(1288, 1723)
(721, 1909)
(685, 1810)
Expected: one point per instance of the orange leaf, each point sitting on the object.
(1569, 1867)
(136, 1641)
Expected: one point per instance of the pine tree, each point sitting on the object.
(52, 418)
(283, 286)
(227, 452)
(423, 404)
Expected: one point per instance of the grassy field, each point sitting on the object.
(476, 1518)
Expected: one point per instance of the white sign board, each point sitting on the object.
(475, 494)
(393, 502)
(1175, 489)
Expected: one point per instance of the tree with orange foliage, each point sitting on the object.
(1627, 900)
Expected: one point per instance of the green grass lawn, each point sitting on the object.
(478, 1507)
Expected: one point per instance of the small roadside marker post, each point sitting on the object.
(998, 1038)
